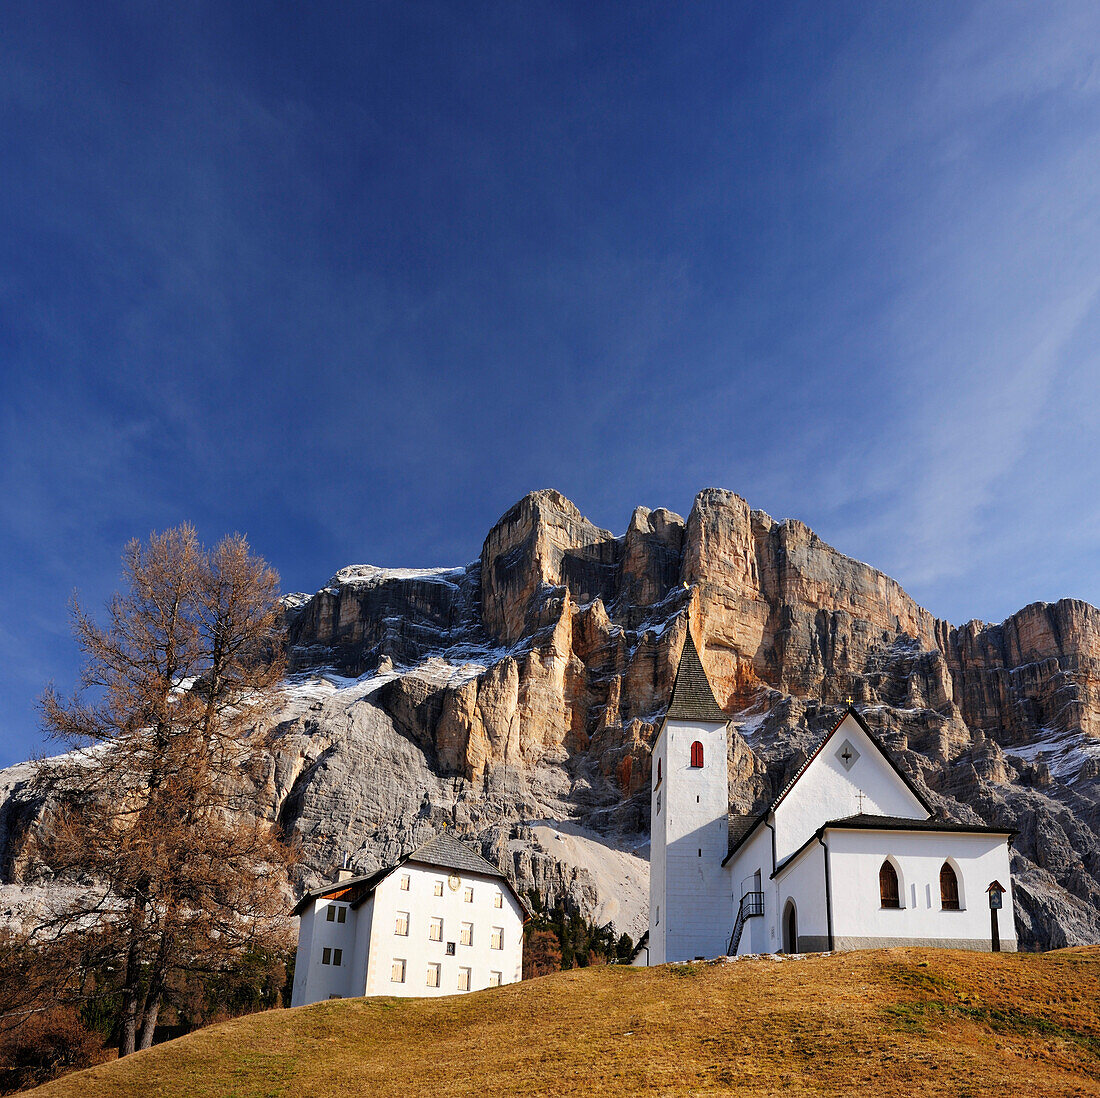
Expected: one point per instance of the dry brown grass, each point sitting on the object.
(903, 1021)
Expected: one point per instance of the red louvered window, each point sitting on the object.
(696, 754)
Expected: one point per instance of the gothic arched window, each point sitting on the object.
(696, 754)
(888, 885)
(949, 888)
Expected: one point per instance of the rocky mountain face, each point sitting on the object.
(516, 699)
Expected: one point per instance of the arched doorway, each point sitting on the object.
(790, 928)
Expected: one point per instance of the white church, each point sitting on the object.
(441, 921)
(849, 855)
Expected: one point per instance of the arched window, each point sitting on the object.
(696, 754)
(949, 888)
(888, 885)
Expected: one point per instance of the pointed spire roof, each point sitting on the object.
(692, 697)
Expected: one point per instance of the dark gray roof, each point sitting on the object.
(692, 698)
(449, 853)
(864, 821)
(442, 850)
(741, 825)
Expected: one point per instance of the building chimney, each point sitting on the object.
(345, 871)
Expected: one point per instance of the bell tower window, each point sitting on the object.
(696, 754)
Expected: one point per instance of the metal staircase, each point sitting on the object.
(752, 903)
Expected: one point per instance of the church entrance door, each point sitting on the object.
(790, 929)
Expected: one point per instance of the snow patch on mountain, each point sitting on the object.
(1064, 754)
(370, 575)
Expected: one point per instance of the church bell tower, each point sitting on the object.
(690, 904)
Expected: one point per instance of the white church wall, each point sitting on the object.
(690, 835)
(759, 935)
(658, 802)
(827, 790)
(859, 920)
(802, 883)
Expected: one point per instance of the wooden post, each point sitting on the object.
(995, 891)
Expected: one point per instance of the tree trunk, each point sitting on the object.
(127, 1038)
(149, 1023)
(157, 980)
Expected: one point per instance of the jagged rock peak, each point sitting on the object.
(544, 501)
(542, 542)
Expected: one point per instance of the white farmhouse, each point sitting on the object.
(849, 855)
(443, 920)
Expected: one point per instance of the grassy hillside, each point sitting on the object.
(902, 1021)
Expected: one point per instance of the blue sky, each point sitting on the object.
(354, 278)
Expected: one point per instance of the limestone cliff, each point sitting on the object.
(525, 687)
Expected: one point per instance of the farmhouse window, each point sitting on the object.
(435, 931)
(494, 979)
(463, 979)
(496, 939)
(433, 975)
(341, 914)
(402, 924)
(696, 754)
(888, 885)
(337, 957)
(438, 890)
(397, 973)
(498, 900)
(466, 935)
(949, 888)
(404, 882)
(468, 896)
(326, 956)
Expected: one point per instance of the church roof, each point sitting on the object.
(741, 824)
(692, 698)
(443, 851)
(865, 821)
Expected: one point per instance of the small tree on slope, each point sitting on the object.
(155, 816)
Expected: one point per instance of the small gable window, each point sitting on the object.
(696, 754)
(949, 888)
(888, 886)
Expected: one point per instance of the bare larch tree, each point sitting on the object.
(153, 823)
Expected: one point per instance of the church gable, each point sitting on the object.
(849, 773)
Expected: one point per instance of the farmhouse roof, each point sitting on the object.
(449, 853)
(692, 697)
(442, 851)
